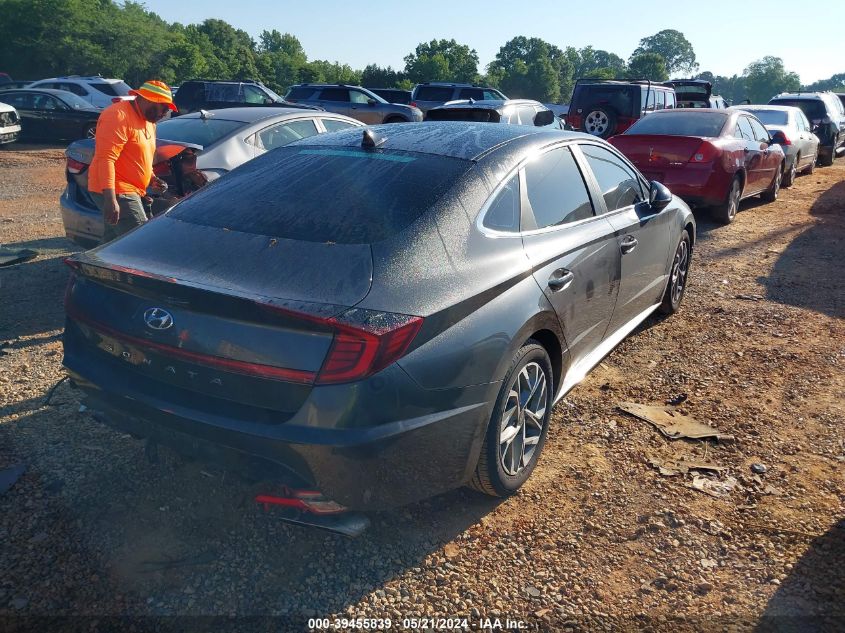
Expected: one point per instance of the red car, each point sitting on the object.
(710, 158)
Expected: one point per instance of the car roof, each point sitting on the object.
(800, 95)
(487, 104)
(754, 106)
(453, 139)
(49, 91)
(252, 114)
(84, 79)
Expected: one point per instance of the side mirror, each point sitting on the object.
(658, 196)
(371, 102)
(778, 138)
(544, 117)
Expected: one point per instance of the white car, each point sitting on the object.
(10, 124)
(97, 91)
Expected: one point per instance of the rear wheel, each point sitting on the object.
(827, 161)
(600, 121)
(726, 212)
(519, 425)
(677, 276)
(812, 166)
(791, 173)
(771, 194)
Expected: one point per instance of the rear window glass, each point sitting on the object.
(771, 117)
(680, 124)
(118, 89)
(196, 130)
(324, 194)
(812, 108)
(479, 115)
(434, 93)
(300, 92)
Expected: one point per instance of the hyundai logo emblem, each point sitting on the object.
(158, 319)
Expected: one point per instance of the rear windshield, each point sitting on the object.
(324, 194)
(203, 132)
(771, 117)
(118, 89)
(680, 124)
(813, 109)
(692, 89)
(619, 98)
(469, 114)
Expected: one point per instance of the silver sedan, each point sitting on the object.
(791, 130)
(192, 150)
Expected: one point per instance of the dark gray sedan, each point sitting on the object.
(381, 315)
(791, 130)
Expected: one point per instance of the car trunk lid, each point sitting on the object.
(235, 316)
(657, 151)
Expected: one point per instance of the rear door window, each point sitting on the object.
(333, 125)
(760, 133)
(434, 93)
(281, 134)
(344, 195)
(301, 92)
(335, 94)
(556, 191)
(619, 185)
(743, 126)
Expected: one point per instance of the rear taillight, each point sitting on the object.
(116, 99)
(413, 104)
(366, 342)
(706, 153)
(75, 166)
(785, 140)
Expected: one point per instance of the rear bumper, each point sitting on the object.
(83, 224)
(697, 185)
(362, 467)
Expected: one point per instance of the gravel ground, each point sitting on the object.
(597, 540)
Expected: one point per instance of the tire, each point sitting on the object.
(827, 161)
(726, 212)
(498, 472)
(791, 173)
(678, 276)
(812, 166)
(89, 131)
(771, 194)
(600, 121)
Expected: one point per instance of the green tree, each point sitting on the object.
(597, 63)
(836, 83)
(442, 60)
(530, 68)
(767, 77)
(676, 50)
(648, 66)
(281, 60)
(374, 76)
(334, 72)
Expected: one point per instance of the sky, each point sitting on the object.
(726, 35)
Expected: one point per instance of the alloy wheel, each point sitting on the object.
(596, 123)
(680, 267)
(523, 418)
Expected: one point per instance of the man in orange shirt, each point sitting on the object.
(123, 157)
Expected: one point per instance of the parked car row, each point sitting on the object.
(291, 336)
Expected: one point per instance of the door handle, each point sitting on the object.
(560, 279)
(628, 244)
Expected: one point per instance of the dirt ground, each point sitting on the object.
(598, 539)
